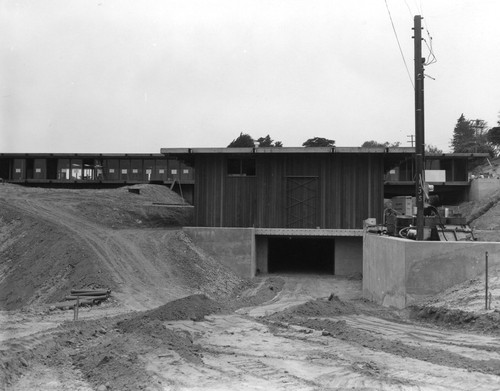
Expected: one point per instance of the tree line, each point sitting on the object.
(244, 140)
(469, 136)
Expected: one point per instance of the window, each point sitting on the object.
(241, 167)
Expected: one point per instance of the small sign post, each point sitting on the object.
(486, 282)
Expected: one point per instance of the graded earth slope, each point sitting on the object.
(53, 240)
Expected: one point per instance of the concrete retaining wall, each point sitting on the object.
(233, 247)
(262, 249)
(397, 272)
(348, 255)
(481, 188)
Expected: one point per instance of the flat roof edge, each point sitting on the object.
(282, 150)
(308, 232)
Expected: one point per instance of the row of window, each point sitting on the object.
(455, 169)
(96, 169)
(111, 169)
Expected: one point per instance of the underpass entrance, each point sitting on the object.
(301, 255)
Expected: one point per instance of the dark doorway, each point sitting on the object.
(30, 168)
(301, 255)
(5, 169)
(51, 168)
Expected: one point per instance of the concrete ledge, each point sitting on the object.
(233, 247)
(397, 272)
(308, 232)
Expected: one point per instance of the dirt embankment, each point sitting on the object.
(57, 239)
(41, 262)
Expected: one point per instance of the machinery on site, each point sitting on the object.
(440, 223)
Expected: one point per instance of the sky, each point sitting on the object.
(123, 76)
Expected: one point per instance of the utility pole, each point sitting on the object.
(412, 139)
(419, 126)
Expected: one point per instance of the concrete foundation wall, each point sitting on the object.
(384, 270)
(397, 272)
(233, 247)
(481, 188)
(261, 251)
(348, 256)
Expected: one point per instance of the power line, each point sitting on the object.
(432, 57)
(419, 8)
(409, 10)
(399, 45)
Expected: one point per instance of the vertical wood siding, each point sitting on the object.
(349, 190)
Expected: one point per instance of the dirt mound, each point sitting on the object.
(319, 308)
(469, 296)
(153, 193)
(54, 240)
(154, 206)
(488, 322)
(194, 307)
(102, 351)
(463, 305)
(40, 262)
(115, 355)
(255, 292)
(482, 214)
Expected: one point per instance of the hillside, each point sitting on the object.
(53, 240)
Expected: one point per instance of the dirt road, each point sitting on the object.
(274, 346)
(248, 353)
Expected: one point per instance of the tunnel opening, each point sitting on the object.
(301, 255)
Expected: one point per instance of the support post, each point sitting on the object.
(419, 127)
(76, 307)
(486, 282)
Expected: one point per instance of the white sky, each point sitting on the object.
(134, 76)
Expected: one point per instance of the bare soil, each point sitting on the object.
(179, 320)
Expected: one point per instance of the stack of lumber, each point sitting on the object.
(86, 297)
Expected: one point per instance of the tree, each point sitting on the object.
(372, 144)
(268, 142)
(242, 141)
(470, 136)
(375, 144)
(318, 142)
(494, 138)
(463, 134)
(433, 149)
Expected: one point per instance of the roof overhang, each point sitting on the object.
(286, 150)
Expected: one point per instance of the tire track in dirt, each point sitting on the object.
(476, 347)
(301, 289)
(238, 347)
(141, 284)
